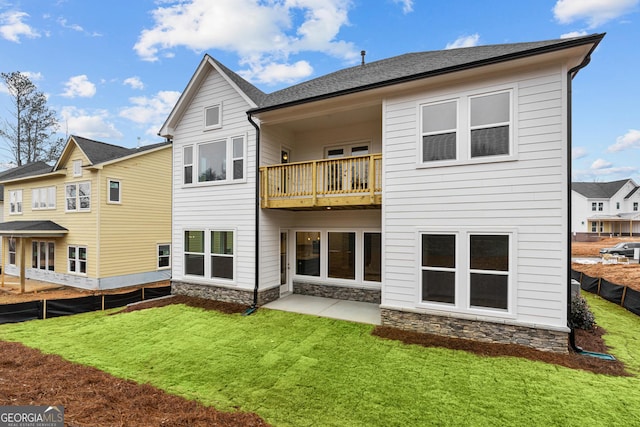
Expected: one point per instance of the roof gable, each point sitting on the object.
(599, 190)
(251, 94)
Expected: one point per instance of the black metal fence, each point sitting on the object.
(618, 294)
(45, 309)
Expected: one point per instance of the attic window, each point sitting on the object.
(213, 116)
(77, 168)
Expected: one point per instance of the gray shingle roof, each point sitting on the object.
(250, 90)
(412, 66)
(598, 190)
(26, 226)
(35, 168)
(100, 152)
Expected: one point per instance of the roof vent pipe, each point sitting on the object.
(363, 53)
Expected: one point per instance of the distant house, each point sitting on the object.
(100, 218)
(434, 184)
(605, 208)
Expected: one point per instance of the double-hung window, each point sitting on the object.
(164, 256)
(43, 198)
(472, 127)
(15, 202)
(594, 206)
(12, 250)
(466, 270)
(490, 122)
(78, 196)
(439, 131)
(438, 268)
(210, 254)
(77, 259)
(222, 160)
(635, 206)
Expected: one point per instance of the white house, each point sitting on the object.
(435, 184)
(605, 208)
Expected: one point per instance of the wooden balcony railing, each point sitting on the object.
(343, 182)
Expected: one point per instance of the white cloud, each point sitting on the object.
(407, 5)
(578, 153)
(151, 112)
(74, 27)
(595, 12)
(573, 34)
(464, 41)
(278, 73)
(629, 140)
(12, 26)
(601, 164)
(79, 86)
(94, 125)
(134, 82)
(260, 32)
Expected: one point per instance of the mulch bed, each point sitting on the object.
(94, 398)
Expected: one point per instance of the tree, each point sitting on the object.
(31, 137)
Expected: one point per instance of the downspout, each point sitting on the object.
(570, 75)
(254, 306)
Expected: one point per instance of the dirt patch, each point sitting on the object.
(620, 274)
(10, 295)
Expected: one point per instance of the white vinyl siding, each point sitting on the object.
(528, 194)
(215, 205)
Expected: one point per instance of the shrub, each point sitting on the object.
(581, 316)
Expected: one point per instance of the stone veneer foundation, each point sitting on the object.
(240, 296)
(540, 339)
(337, 292)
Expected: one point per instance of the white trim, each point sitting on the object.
(78, 260)
(158, 256)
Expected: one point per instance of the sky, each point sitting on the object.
(113, 70)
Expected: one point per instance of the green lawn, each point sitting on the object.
(297, 370)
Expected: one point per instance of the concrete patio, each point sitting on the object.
(355, 311)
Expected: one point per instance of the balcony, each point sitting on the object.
(342, 183)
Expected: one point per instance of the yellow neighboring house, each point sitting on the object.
(100, 218)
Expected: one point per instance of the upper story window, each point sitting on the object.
(78, 196)
(635, 206)
(187, 159)
(213, 160)
(15, 202)
(594, 206)
(473, 127)
(617, 205)
(114, 191)
(43, 198)
(439, 131)
(490, 117)
(213, 116)
(600, 206)
(77, 168)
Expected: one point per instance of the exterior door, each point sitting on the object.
(285, 277)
